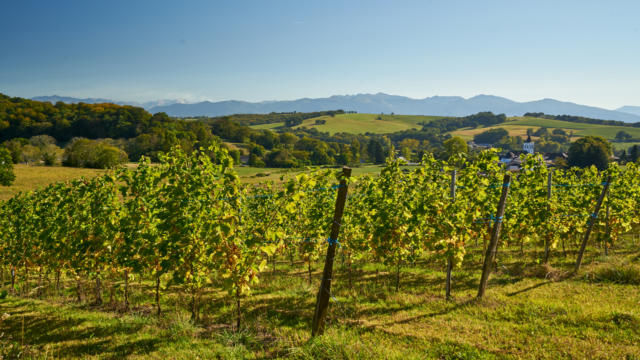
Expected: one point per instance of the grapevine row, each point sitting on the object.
(189, 220)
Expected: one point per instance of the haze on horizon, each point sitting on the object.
(580, 51)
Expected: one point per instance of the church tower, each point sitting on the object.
(528, 145)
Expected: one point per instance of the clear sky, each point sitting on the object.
(582, 51)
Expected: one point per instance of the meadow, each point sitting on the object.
(360, 123)
(32, 177)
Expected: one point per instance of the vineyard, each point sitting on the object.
(190, 228)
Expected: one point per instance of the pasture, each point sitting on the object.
(32, 177)
(360, 123)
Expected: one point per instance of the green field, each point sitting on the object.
(623, 145)
(531, 312)
(360, 123)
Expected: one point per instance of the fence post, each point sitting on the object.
(548, 235)
(592, 221)
(322, 300)
(490, 255)
(449, 259)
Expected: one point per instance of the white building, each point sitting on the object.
(528, 145)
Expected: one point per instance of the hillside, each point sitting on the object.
(517, 126)
(359, 123)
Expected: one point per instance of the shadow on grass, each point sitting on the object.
(529, 288)
(76, 336)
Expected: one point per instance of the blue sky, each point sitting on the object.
(582, 51)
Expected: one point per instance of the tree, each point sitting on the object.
(281, 158)
(590, 150)
(376, 151)
(288, 139)
(355, 151)
(490, 136)
(6, 168)
(543, 131)
(559, 131)
(411, 144)
(51, 154)
(292, 122)
(92, 154)
(31, 154)
(15, 148)
(623, 136)
(256, 160)
(42, 140)
(454, 146)
(235, 155)
(634, 153)
(510, 143)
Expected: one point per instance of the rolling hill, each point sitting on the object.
(517, 126)
(360, 123)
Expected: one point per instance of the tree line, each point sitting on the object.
(92, 135)
(581, 119)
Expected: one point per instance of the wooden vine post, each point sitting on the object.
(592, 221)
(449, 259)
(492, 249)
(547, 238)
(322, 301)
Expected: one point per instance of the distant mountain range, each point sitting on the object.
(380, 103)
(71, 100)
(630, 110)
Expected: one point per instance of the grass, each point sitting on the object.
(32, 177)
(526, 314)
(360, 123)
(623, 145)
